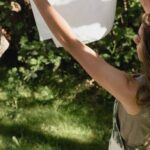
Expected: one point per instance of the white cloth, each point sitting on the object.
(4, 45)
(90, 20)
(113, 145)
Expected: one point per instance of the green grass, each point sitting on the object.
(62, 115)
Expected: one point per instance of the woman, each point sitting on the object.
(131, 115)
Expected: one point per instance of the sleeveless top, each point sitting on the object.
(130, 132)
(134, 130)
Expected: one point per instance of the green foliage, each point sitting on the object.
(47, 100)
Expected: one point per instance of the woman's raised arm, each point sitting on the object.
(146, 5)
(116, 82)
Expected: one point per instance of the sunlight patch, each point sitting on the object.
(84, 135)
(3, 95)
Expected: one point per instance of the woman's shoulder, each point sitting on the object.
(142, 81)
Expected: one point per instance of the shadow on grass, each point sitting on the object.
(26, 103)
(94, 101)
(34, 137)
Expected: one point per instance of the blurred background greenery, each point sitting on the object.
(47, 101)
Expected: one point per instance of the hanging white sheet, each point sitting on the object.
(90, 20)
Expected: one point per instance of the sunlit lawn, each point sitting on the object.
(62, 115)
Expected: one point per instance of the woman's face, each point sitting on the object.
(139, 43)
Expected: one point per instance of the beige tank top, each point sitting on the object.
(135, 130)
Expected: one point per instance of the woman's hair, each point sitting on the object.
(143, 93)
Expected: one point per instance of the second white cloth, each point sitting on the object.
(90, 20)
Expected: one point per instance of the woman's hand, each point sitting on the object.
(146, 5)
